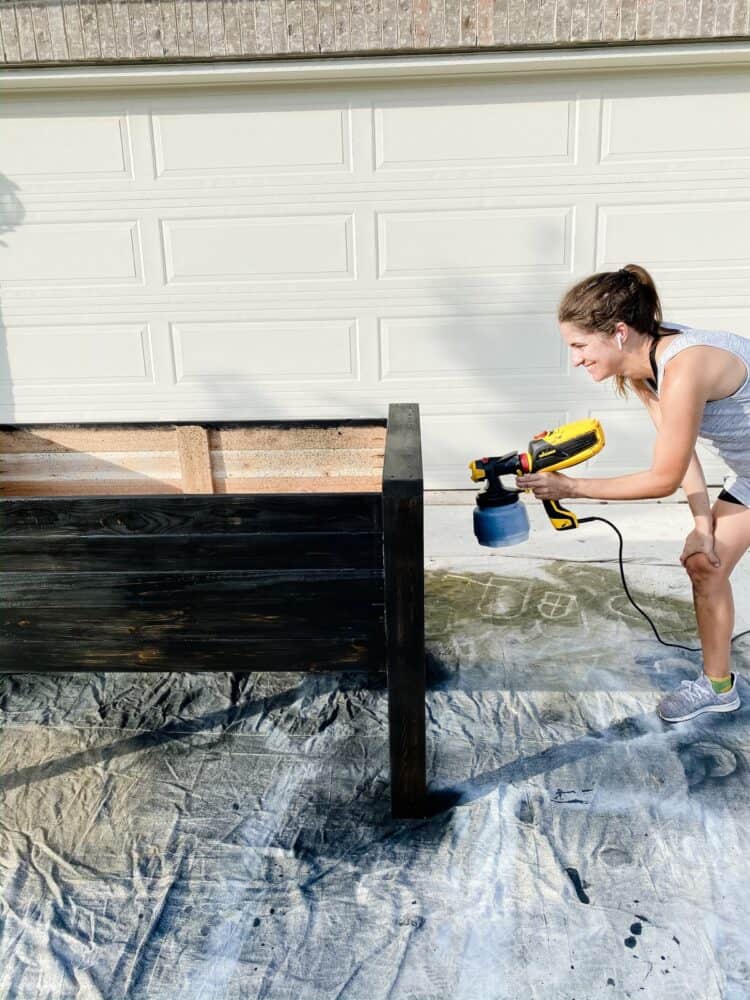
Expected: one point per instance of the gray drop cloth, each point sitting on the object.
(220, 836)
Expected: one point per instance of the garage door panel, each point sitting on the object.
(283, 248)
(307, 351)
(677, 236)
(454, 242)
(679, 129)
(479, 135)
(247, 141)
(72, 253)
(469, 348)
(70, 354)
(83, 147)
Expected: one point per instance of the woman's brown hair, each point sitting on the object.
(600, 302)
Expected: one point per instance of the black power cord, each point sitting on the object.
(677, 645)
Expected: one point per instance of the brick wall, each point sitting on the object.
(89, 31)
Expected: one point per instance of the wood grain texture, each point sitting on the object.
(180, 515)
(53, 439)
(192, 553)
(316, 656)
(370, 437)
(299, 616)
(191, 458)
(91, 489)
(195, 460)
(240, 588)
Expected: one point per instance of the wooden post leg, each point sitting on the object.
(406, 666)
(403, 552)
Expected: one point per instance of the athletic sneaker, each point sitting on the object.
(695, 697)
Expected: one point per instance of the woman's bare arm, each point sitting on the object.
(694, 482)
(685, 391)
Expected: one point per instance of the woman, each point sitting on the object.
(695, 384)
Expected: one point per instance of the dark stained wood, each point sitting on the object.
(314, 655)
(260, 589)
(182, 515)
(88, 625)
(403, 541)
(191, 553)
(223, 608)
(402, 466)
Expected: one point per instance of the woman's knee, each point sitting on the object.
(704, 576)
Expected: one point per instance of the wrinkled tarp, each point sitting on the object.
(228, 836)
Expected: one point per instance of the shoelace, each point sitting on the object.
(692, 689)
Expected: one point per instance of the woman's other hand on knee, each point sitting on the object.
(699, 541)
(701, 570)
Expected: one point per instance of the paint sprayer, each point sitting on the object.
(499, 519)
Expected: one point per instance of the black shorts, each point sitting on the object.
(729, 498)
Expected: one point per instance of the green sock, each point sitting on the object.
(721, 684)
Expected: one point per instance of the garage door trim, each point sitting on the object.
(616, 58)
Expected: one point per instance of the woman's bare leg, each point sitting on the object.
(712, 591)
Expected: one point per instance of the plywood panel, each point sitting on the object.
(74, 465)
(190, 459)
(80, 439)
(298, 438)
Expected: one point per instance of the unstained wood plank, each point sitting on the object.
(195, 459)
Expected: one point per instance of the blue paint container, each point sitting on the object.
(498, 525)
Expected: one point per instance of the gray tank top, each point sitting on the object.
(725, 427)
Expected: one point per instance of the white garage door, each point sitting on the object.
(320, 251)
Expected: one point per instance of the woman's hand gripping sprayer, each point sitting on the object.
(549, 485)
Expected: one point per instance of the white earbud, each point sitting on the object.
(619, 340)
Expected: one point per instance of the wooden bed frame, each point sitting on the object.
(285, 546)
